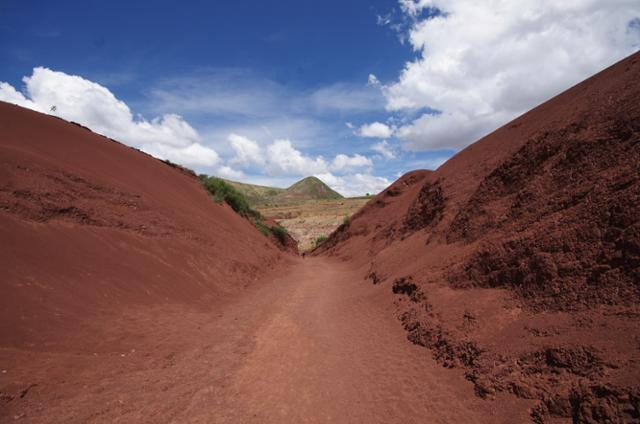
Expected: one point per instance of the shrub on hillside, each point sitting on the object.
(262, 228)
(280, 233)
(319, 240)
(223, 191)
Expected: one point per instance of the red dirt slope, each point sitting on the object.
(519, 259)
(90, 226)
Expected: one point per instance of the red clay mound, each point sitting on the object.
(519, 259)
(89, 226)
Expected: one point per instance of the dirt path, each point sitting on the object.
(316, 345)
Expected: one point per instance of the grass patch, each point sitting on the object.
(319, 240)
(225, 192)
(262, 228)
(280, 233)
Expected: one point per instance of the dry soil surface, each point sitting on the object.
(312, 344)
(306, 221)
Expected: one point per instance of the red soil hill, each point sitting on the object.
(519, 258)
(89, 226)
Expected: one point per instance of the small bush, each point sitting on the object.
(319, 240)
(280, 233)
(262, 228)
(223, 191)
(345, 221)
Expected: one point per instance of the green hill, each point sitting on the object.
(309, 188)
(257, 194)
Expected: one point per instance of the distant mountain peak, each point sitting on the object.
(308, 188)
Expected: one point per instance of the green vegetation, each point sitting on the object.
(222, 191)
(255, 194)
(345, 221)
(262, 228)
(280, 233)
(305, 190)
(319, 240)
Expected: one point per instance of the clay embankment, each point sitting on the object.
(518, 260)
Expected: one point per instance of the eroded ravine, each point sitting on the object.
(330, 350)
(316, 343)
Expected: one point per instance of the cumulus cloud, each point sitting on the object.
(246, 151)
(384, 148)
(482, 63)
(11, 95)
(283, 158)
(375, 130)
(356, 184)
(342, 162)
(90, 104)
(230, 173)
(193, 155)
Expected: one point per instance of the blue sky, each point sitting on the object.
(356, 92)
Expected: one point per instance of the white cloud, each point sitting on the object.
(448, 130)
(384, 148)
(247, 151)
(376, 130)
(413, 7)
(484, 62)
(11, 95)
(283, 158)
(355, 184)
(342, 162)
(230, 173)
(90, 104)
(194, 154)
(373, 81)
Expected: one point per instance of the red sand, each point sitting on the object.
(518, 260)
(89, 226)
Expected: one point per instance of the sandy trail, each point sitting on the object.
(317, 344)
